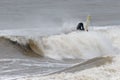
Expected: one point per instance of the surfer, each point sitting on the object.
(80, 27)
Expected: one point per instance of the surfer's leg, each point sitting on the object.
(78, 27)
(82, 26)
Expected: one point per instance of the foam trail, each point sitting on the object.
(95, 62)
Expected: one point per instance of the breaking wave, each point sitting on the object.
(76, 44)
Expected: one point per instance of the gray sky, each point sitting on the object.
(16, 14)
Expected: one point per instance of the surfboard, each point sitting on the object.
(87, 23)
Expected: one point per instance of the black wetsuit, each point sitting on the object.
(80, 27)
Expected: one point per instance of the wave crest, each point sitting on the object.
(84, 45)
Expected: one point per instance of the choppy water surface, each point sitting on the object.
(39, 36)
(34, 55)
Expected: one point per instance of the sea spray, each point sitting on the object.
(76, 44)
(83, 45)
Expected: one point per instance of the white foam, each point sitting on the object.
(98, 42)
(83, 45)
(76, 44)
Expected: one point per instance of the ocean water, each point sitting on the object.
(39, 41)
(25, 55)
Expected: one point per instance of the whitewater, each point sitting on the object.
(67, 55)
(39, 40)
(78, 44)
